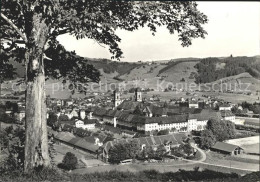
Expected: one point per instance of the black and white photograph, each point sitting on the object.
(122, 90)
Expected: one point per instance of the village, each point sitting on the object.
(94, 126)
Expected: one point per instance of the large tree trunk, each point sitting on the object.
(36, 142)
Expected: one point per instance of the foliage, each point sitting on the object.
(153, 153)
(123, 151)
(98, 20)
(52, 174)
(255, 107)
(63, 117)
(7, 71)
(13, 142)
(69, 161)
(160, 151)
(188, 149)
(207, 71)
(184, 150)
(29, 30)
(6, 118)
(207, 139)
(248, 128)
(221, 129)
(81, 132)
(53, 118)
(163, 132)
(3, 139)
(182, 80)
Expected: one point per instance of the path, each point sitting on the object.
(203, 155)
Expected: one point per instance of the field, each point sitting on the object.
(253, 148)
(234, 98)
(227, 160)
(162, 167)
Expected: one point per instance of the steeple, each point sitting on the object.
(117, 99)
(138, 95)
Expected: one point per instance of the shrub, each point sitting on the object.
(69, 161)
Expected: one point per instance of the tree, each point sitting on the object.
(150, 152)
(36, 24)
(182, 80)
(160, 151)
(7, 71)
(63, 117)
(133, 148)
(117, 153)
(188, 149)
(221, 129)
(122, 151)
(163, 132)
(69, 161)
(231, 129)
(207, 139)
(53, 118)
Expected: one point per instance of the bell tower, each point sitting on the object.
(138, 95)
(117, 99)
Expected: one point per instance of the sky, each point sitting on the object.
(233, 28)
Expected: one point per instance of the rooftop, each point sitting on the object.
(225, 147)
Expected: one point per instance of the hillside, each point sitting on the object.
(240, 83)
(230, 70)
(212, 69)
(177, 71)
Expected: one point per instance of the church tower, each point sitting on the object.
(138, 95)
(117, 99)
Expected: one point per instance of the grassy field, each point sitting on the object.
(253, 148)
(234, 98)
(167, 167)
(226, 160)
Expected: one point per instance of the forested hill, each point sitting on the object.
(191, 69)
(109, 66)
(212, 69)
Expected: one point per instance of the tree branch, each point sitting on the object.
(14, 27)
(60, 32)
(18, 41)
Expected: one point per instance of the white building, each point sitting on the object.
(86, 124)
(225, 107)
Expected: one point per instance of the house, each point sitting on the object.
(98, 113)
(69, 102)
(227, 148)
(228, 115)
(20, 114)
(9, 111)
(88, 124)
(76, 143)
(74, 113)
(98, 139)
(169, 141)
(224, 107)
(193, 104)
(82, 114)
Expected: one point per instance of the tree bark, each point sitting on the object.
(36, 141)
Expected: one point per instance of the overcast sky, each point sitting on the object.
(233, 28)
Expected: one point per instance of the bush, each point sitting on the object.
(69, 161)
(163, 132)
